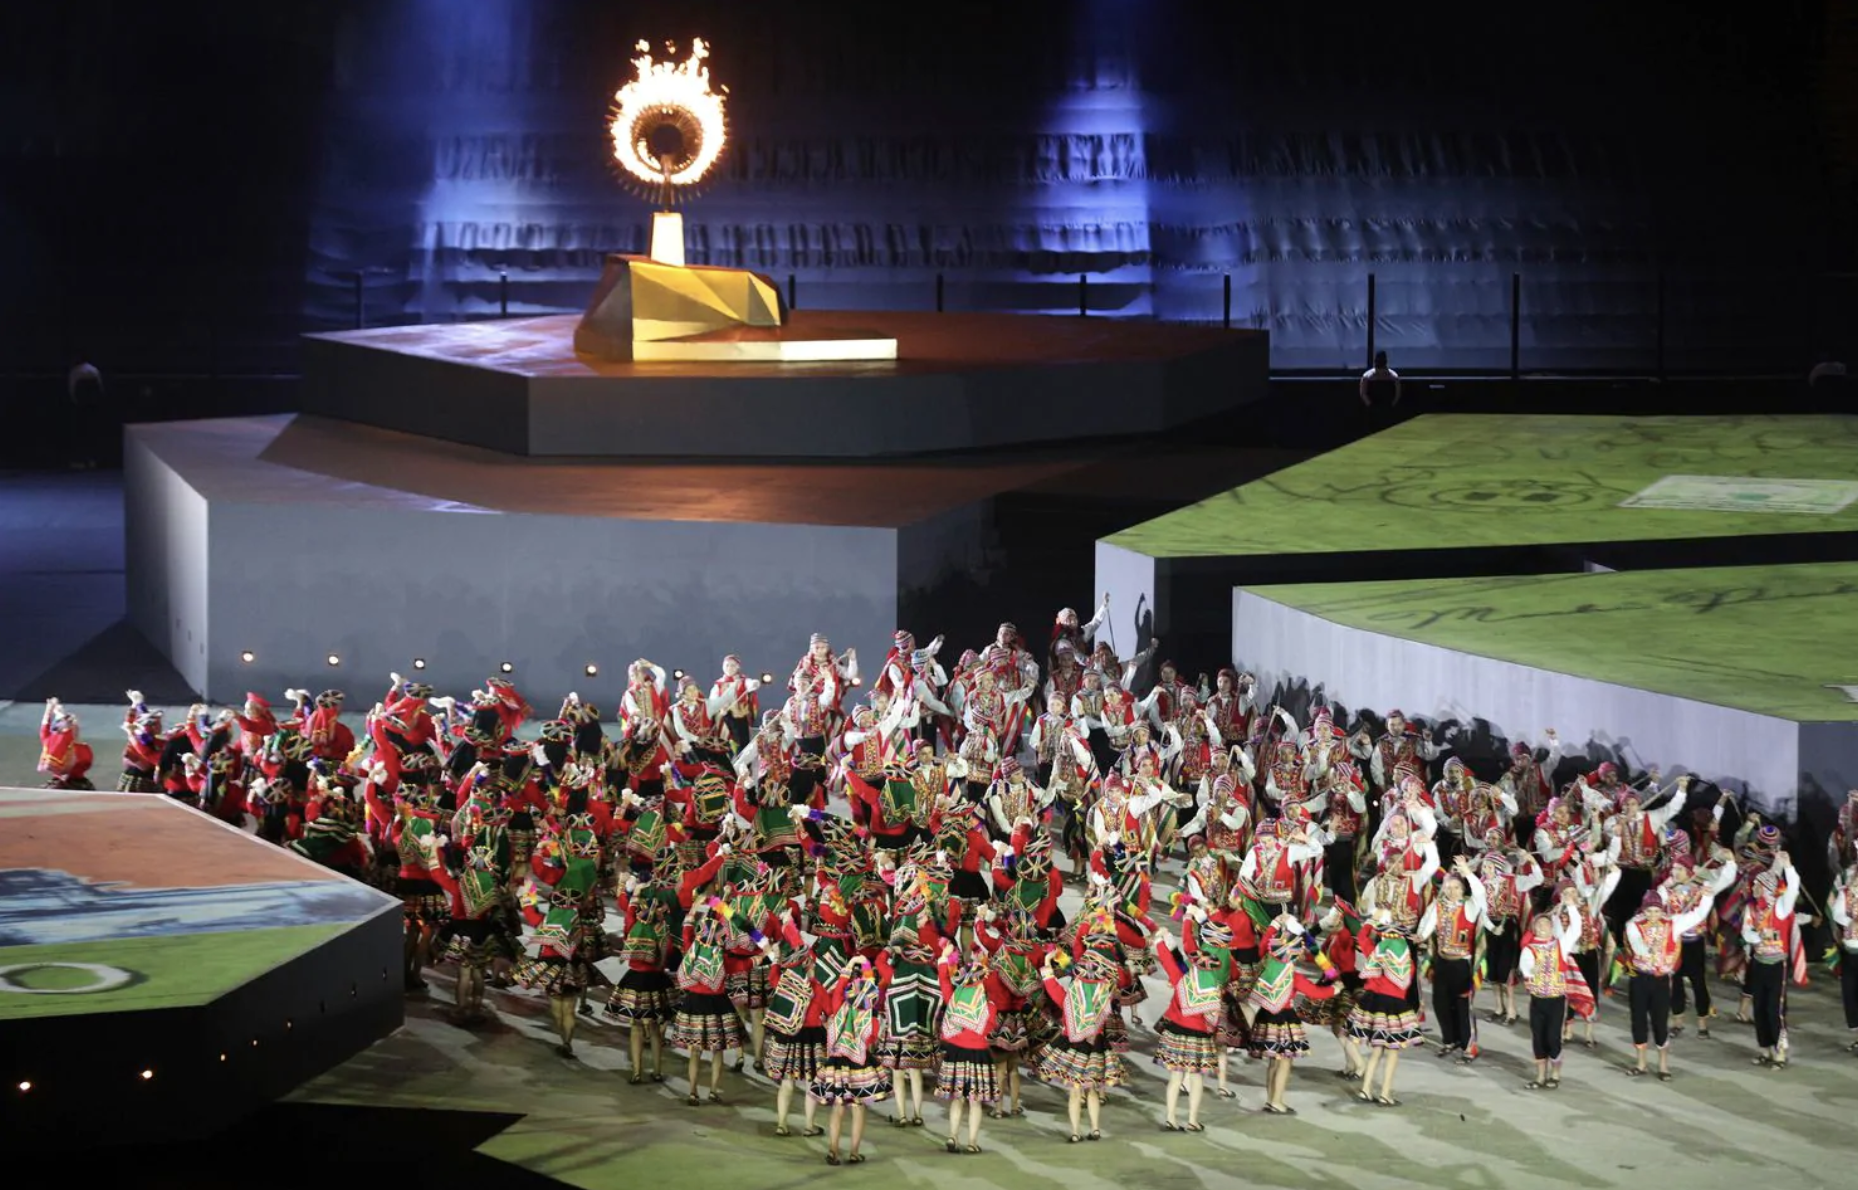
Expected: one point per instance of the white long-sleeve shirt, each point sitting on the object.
(1476, 909)
(1568, 939)
(1682, 924)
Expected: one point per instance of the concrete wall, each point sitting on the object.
(1753, 754)
(1132, 581)
(295, 583)
(165, 553)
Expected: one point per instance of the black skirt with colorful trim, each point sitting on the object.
(705, 1023)
(1384, 1022)
(839, 1081)
(967, 1075)
(642, 997)
(795, 1056)
(1278, 1035)
(1185, 1051)
(1090, 1065)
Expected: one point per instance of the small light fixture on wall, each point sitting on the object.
(248, 656)
(334, 660)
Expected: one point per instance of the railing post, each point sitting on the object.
(1083, 295)
(359, 299)
(503, 292)
(1226, 316)
(1371, 318)
(791, 304)
(1516, 326)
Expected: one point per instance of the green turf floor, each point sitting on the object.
(170, 972)
(1767, 639)
(1468, 480)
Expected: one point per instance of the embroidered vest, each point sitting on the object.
(1198, 991)
(848, 1032)
(1662, 944)
(1502, 899)
(1549, 977)
(1276, 880)
(1275, 985)
(1638, 843)
(702, 966)
(790, 998)
(1849, 936)
(1457, 934)
(710, 799)
(967, 1012)
(1392, 962)
(1771, 943)
(1086, 1006)
(1016, 800)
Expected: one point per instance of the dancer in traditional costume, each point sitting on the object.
(1069, 634)
(475, 875)
(143, 738)
(1654, 946)
(1385, 1019)
(1591, 881)
(1843, 909)
(1634, 837)
(64, 757)
(1081, 1059)
(1771, 933)
(1276, 1032)
(1186, 1044)
(560, 899)
(1454, 923)
(967, 1078)
(740, 699)
(1529, 782)
(645, 998)
(706, 1021)
(1553, 981)
(907, 969)
(1509, 875)
(850, 1076)
(1020, 1032)
(795, 1025)
(1696, 880)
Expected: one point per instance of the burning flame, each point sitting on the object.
(668, 93)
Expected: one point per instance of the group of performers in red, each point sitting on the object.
(856, 889)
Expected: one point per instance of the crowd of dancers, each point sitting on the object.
(853, 883)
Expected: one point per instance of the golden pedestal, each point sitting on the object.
(647, 309)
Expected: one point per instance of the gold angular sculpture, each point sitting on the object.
(668, 130)
(672, 302)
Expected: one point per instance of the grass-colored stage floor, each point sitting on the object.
(1721, 1124)
(1767, 639)
(1477, 480)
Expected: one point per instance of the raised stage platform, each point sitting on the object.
(164, 975)
(960, 381)
(477, 495)
(1734, 673)
(298, 538)
(1459, 495)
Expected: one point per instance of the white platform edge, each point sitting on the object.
(1756, 755)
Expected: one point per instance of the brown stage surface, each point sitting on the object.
(926, 343)
(305, 460)
(138, 841)
(961, 381)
